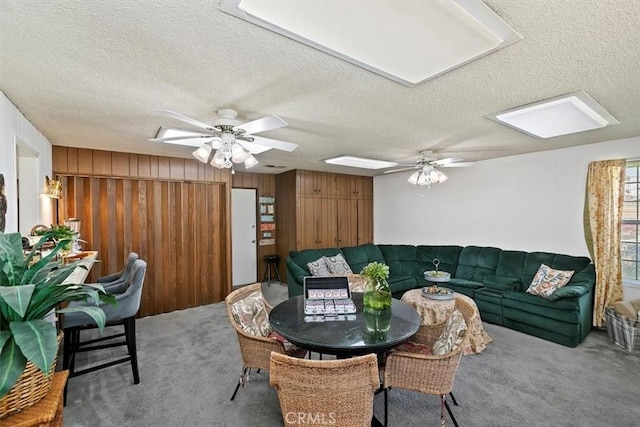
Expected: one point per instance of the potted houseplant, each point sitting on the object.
(30, 290)
(376, 300)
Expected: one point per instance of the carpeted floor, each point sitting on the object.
(190, 362)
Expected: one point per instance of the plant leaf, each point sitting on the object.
(37, 340)
(4, 337)
(12, 363)
(17, 297)
(96, 313)
(11, 258)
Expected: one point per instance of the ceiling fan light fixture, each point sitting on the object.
(250, 162)
(203, 153)
(218, 160)
(426, 176)
(239, 154)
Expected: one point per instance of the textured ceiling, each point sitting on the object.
(90, 73)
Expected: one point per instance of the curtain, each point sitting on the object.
(605, 196)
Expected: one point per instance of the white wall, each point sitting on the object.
(530, 202)
(14, 129)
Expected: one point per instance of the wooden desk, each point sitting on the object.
(79, 275)
(48, 412)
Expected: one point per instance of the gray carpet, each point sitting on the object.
(190, 361)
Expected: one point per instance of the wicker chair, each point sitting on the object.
(255, 350)
(322, 392)
(428, 374)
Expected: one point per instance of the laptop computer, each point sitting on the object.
(327, 296)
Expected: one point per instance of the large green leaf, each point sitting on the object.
(37, 340)
(12, 363)
(11, 258)
(17, 297)
(4, 337)
(96, 313)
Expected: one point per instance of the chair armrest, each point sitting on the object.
(110, 278)
(296, 272)
(580, 284)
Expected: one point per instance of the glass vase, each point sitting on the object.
(377, 295)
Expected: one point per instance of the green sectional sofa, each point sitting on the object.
(496, 279)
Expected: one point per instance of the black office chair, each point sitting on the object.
(124, 314)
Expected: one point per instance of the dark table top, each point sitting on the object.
(344, 338)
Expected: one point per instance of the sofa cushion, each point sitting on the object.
(555, 261)
(567, 309)
(359, 256)
(447, 255)
(401, 259)
(318, 267)
(475, 262)
(511, 264)
(337, 265)
(400, 284)
(494, 281)
(302, 258)
(547, 280)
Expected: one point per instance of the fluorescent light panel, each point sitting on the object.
(563, 115)
(406, 41)
(359, 162)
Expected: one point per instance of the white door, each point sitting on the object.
(243, 236)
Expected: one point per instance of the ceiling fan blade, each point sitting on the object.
(402, 169)
(274, 143)
(456, 165)
(262, 125)
(186, 119)
(446, 161)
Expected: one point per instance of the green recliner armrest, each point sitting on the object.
(580, 284)
(296, 272)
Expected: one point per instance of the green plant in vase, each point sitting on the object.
(377, 294)
(29, 292)
(58, 233)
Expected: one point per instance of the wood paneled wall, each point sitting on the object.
(174, 212)
(265, 184)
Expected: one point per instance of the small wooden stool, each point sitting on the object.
(48, 412)
(271, 260)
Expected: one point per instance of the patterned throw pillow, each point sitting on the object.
(452, 334)
(251, 314)
(338, 265)
(547, 280)
(318, 267)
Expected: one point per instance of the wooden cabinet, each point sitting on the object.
(353, 187)
(322, 210)
(317, 223)
(316, 184)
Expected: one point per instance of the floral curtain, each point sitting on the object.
(605, 196)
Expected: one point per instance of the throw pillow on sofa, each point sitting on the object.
(452, 334)
(547, 280)
(318, 267)
(338, 265)
(251, 314)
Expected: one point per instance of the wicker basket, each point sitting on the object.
(622, 331)
(31, 386)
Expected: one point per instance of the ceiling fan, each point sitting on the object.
(426, 173)
(227, 141)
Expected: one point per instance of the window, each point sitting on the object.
(631, 224)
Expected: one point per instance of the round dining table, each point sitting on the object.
(344, 335)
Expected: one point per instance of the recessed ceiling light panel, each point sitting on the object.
(406, 41)
(360, 162)
(564, 115)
